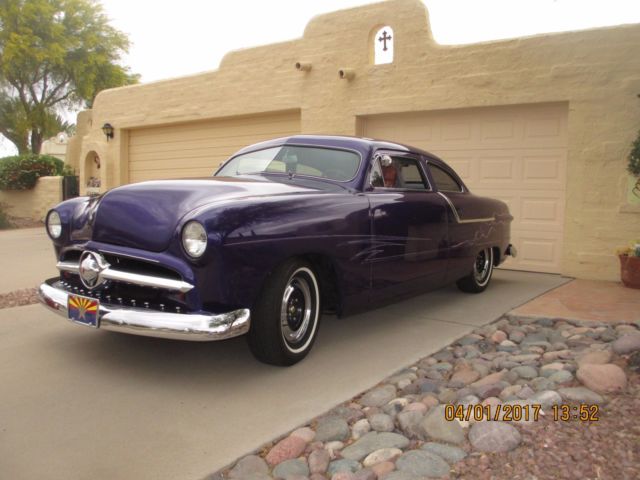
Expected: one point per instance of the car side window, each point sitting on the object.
(396, 172)
(443, 179)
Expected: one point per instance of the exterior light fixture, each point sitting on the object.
(303, 66)
(347, 73)
(107, 129)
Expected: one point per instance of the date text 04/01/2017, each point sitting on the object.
(517, 412)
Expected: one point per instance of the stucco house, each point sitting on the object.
(543, 122)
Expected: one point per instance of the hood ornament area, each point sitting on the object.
(91, 266)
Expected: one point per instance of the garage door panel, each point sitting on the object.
(537, 251)
(198, 148)
(517, 154)
(544, 169)
(213, 129)
(207, 133)
(497, 169)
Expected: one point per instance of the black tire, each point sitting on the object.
(285, 318)
(478, 280)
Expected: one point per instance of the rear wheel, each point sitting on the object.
(284, 320)
(478, 280)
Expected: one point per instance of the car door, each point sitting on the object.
(409, 227)
(469, 226)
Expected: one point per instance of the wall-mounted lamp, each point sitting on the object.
(347, 73)
(107, 129)
(303, 66)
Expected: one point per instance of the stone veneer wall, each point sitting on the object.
(34, 203)
(596, 71)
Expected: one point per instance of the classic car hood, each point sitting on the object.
(146, 215)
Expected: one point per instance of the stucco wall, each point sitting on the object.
(34, 203)
(596, 71)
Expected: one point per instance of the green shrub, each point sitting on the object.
(22, 171)
(634, 158)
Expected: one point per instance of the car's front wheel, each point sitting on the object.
(284, 319)
(478, 280)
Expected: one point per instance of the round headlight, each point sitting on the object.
(194, 239)
(54, 224)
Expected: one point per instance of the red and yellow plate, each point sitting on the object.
(83, 310)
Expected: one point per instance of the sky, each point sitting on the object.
(170, 42)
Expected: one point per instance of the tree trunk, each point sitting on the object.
(36, 141)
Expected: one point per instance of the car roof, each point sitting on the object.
(360, 144)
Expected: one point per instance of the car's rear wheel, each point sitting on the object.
(284, 320)
(478, 280)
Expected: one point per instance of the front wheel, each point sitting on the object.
(478, 280)
(284, 320)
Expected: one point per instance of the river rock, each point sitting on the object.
(607, 378)
(580, 395)
(490, 379)
(435, 426)
(360, 428)
(286, 449)
(381, 422)
(450, 453)
(296, 466)
(422, 463)
(343, 465)
(494, 437)
(526, 372)
(378, 396)
(382, 455)
(546, 398)
(383, 468)
(332, 428)
(561, 376)
(627, 343)
(410, 423)
(319, 460)
(598, 357)
(373, 441)
(249, 466)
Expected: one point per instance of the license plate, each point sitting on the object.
(83, 310)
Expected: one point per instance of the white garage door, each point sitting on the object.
(516, 154)
(197, 148)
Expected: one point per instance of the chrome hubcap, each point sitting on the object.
(482, 266)
(296, 309)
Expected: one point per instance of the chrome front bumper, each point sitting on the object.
(152, 323)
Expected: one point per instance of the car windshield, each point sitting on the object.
(340, 165)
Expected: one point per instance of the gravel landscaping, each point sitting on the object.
(509, 375)
(17, 298)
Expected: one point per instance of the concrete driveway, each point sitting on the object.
(78, 403)
(27, 258)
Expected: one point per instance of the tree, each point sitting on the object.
(54, 55)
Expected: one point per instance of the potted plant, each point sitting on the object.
(630, 265)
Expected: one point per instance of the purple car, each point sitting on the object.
(284, 231)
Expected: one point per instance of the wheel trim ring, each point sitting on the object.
(312, 307)
(293, 335)
(483, 273)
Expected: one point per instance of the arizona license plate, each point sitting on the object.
(83, 310)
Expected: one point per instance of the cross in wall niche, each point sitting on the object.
(384, 39)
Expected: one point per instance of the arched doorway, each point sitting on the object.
(92, 173)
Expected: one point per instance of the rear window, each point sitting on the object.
(443, 180)
(340, 165)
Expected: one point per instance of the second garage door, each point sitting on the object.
(196, 149)
(517, 154)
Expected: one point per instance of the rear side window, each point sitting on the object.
(443, 180)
